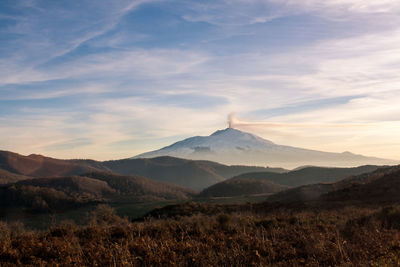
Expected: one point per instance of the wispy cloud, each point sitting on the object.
(43, 33)
(354, 6)
(242, 12)
(234, 121)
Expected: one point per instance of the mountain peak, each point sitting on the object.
(232, 146)
(234, 136)
(227, 131)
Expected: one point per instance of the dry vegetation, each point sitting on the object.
(347, 237)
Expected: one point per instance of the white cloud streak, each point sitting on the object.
(242, 12)
(42, 43)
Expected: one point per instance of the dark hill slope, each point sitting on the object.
(60, 193)
(40, 166)
(382, 190)
(140, 187)
(230, 171)
(54, 194)
(7, 177)
(239, 187)
(308, 175)
(267, 183)
(188, 173)
(302, 193)
(73, 186)
(314, 191)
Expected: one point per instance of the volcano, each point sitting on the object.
(235, 147)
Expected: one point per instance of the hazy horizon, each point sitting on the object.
(113, 79)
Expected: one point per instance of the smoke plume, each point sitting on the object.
(234, 121)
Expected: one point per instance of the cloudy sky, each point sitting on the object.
(113, 78)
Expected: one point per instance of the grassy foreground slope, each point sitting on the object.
(349, 237)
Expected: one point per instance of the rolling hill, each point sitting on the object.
(239, 187)
(41, 166)
(383, 188)
(60, 193)
(140, 188)
(308, 175)
(7, 177)
(188, 173)
(267, 183)
(315, 191)
(74, 186)
(231, 146)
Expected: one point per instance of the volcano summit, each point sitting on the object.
(232, 146)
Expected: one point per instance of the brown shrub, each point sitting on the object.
(347, 237)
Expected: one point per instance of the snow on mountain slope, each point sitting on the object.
(231, 146)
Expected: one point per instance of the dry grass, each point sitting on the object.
(348, 237)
